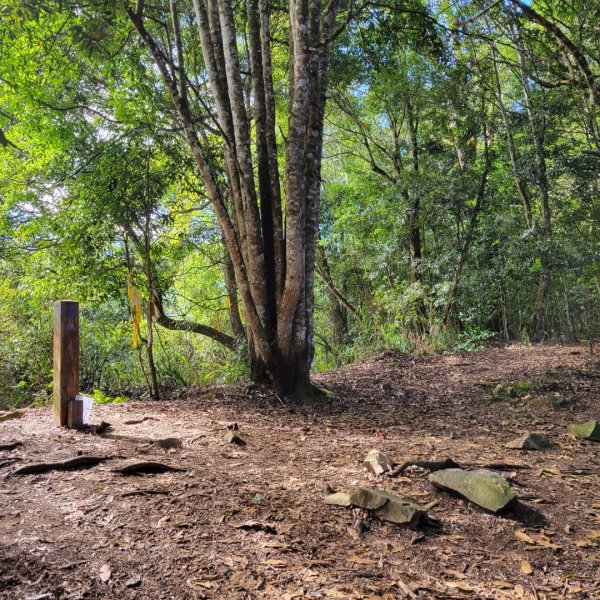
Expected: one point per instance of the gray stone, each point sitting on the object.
(339, 499)
(382, 504)
(234, 438)
(590, 430)
(485, 488)
(378, 463)
(169, 443)
(133, 581)
(529, 441)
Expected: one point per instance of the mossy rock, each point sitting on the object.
(590, 430)
(482, 487)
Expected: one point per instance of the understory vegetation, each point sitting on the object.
(459, 187)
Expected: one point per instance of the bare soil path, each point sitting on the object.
(250, 522)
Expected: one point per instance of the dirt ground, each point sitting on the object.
(250, 522)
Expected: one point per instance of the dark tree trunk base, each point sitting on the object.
(290, 381)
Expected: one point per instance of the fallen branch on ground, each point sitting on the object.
(10, 445)
(430, 465)
(66, 465)
(138, 421)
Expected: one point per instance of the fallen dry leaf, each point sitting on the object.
(333, 593)
(585, 544)
(361, 561)
(198, 584)
(455, 573)
(162, 521)
(523, 537)
(105, 572)
(594, 534)
(460, 585)
(274, 562)
(526, 567)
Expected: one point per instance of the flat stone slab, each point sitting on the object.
(378, 463)
(590, 430)
(482, 487)
(382, 504)
(529, 441)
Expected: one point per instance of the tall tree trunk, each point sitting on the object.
(571, 331)
(469, 235)
(340, 305)
(536, 320)
(414, 217)
(233, 309)
(154, 390)
(414, 213)
(512, 151)
(275, 279)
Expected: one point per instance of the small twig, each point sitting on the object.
(138, 421)
(72, 564)
(144, 493)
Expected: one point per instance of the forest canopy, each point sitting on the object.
(254, 190)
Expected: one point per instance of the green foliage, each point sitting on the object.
(101, 398)
(473, 339)
(94, 154)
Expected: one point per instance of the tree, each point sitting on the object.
(273, 257)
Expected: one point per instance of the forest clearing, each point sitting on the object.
(326, 273)
(250, 521)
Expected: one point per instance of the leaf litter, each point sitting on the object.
(251, 522)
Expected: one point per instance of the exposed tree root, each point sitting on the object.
(66, 465)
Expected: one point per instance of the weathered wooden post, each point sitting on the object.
(66, 361)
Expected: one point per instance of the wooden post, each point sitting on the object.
(66, 359)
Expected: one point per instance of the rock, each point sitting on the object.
(133, 581)
(485, 488)
(234, 438)
(327, 489)
(15, 414)
(529, 441)
(105, 573)
(339, 499)
(399, 510)
(169, 443)
(589, 430)
(378, 463)
(382, 504)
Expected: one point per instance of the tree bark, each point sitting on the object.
(536, 320)
(275, 279)
(469, 235)
(566, 45)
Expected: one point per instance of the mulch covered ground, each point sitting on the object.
(250, 522)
